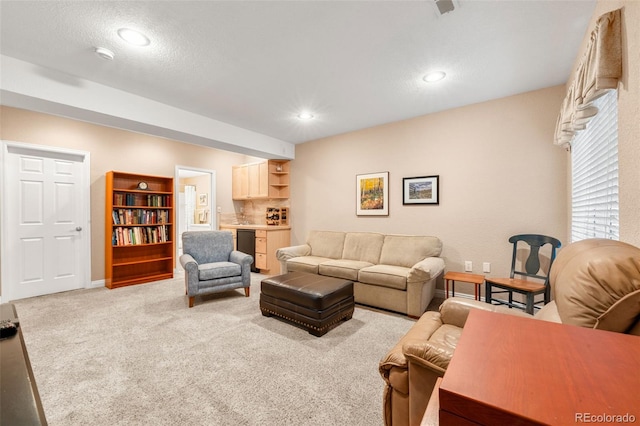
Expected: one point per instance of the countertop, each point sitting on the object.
(253, 226)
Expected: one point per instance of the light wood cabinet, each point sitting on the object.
(258, 180)
(234, 233)
(139, 243)
(267, 242)
(240, 182)
(262, 180)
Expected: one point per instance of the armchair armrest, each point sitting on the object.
(426, 269)
(190, 273)
(240, 258)
(185, 259)
(455, 310)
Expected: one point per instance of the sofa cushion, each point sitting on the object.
(326, 244)
(385, 275)
(342, 268)
(591, 278)
(215, 270)
(364, 246)
(307, 264)
(407, 250)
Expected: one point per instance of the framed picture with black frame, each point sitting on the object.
(421, 190)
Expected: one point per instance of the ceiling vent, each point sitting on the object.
(445, 6)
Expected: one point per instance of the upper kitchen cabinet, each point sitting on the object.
(262, 180)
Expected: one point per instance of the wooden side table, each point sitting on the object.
(464, 277)
(536, 372)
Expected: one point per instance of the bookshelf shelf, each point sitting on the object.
(139, 244)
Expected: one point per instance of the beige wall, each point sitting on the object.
(500, 175)
(628, 114)
(114, 149)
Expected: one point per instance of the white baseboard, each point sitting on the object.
(96, 284)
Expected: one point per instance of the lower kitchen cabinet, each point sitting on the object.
(268, 240)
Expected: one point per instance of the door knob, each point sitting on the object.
(78, 228)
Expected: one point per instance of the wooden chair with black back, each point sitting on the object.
(529, 277)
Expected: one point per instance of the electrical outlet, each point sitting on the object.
(468, 266)
(486, 267)
(219, 209)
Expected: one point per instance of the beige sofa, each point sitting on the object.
(394, 272)
(594, 283)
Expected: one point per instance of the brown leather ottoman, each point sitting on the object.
(315, 302)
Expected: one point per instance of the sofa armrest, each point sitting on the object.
(427, 362)
(426, 269)
(420, 331)
(431, 355)
(455, 310)
(285, 253)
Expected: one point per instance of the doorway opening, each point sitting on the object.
(196, 202)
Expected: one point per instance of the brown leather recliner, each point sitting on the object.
(594, 283)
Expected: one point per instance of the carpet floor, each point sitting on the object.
(139, 356)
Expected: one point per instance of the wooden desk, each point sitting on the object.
(19, 399)
(464, 277)
(521, 371)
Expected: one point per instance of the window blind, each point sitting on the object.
(594, 175)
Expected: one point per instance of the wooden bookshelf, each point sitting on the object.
(139, 233)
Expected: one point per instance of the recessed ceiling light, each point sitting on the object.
(133, 37)
(434, 76)
(104, 53)
(305, 116)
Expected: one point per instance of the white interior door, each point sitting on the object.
(46, 234)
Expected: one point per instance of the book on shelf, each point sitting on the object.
(140, 217)
(141, 200)
(140, 235)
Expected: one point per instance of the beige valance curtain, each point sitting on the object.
(599, 71)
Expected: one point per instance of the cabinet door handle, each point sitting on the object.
(78, 228)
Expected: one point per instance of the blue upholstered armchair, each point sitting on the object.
(212, 265)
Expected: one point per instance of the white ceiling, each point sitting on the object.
(256, 64)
